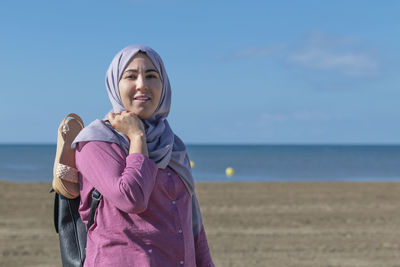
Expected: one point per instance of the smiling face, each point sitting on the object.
(140, 86)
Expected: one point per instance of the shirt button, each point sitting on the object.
(169, 174)
(181, 262)
(180, 231)
(173, 202)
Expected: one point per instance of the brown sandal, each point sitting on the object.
(65, 174)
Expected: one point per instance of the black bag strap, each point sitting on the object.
(96, 197)
(56, 211)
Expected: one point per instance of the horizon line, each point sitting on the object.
(241, 144)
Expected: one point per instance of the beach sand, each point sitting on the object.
(247, 224)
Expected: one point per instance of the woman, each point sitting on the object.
(149, 214)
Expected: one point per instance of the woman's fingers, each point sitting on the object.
(110, 116)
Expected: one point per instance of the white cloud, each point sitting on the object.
(320, 51)
(258, 52)
(342, 55)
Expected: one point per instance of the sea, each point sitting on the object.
(289, 163)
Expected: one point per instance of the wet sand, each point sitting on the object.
(247, 224)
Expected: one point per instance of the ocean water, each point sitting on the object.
(34, 163)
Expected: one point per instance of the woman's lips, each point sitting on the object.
(142, 99)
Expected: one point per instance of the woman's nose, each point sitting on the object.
(141, 83)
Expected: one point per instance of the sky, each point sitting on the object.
(241, 72)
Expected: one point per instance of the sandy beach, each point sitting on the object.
(248, 224)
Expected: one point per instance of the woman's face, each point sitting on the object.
(140, 86)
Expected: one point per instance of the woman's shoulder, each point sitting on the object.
(97, 130)
(96, 139)
(94, 145)
(98, 152)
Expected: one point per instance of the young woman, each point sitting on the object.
(149, 214)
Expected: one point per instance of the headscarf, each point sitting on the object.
(165, 148)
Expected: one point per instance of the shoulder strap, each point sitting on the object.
(96, 197)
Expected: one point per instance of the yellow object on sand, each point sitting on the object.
(229, 172)
(191, 164)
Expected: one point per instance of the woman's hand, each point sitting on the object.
(129, 124)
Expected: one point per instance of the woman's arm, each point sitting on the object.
(203, 256)
(125, 181)
(138, 144)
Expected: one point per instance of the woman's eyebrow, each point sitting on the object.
(150, 70)
(135, 70)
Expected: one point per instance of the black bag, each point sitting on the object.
(70, 228)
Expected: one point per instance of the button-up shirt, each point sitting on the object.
(144, 217)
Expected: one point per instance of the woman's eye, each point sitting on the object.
(151, 76)
(130, 77)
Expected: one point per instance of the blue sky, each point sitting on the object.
(271, 72)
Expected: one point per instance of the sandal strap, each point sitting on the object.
(67, 173)
(64, 127)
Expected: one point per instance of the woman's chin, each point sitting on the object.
(141, 115)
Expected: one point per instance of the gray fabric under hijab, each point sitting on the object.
(165, 148)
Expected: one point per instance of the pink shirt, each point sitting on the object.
(144, 218)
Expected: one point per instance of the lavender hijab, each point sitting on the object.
(165, 148)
